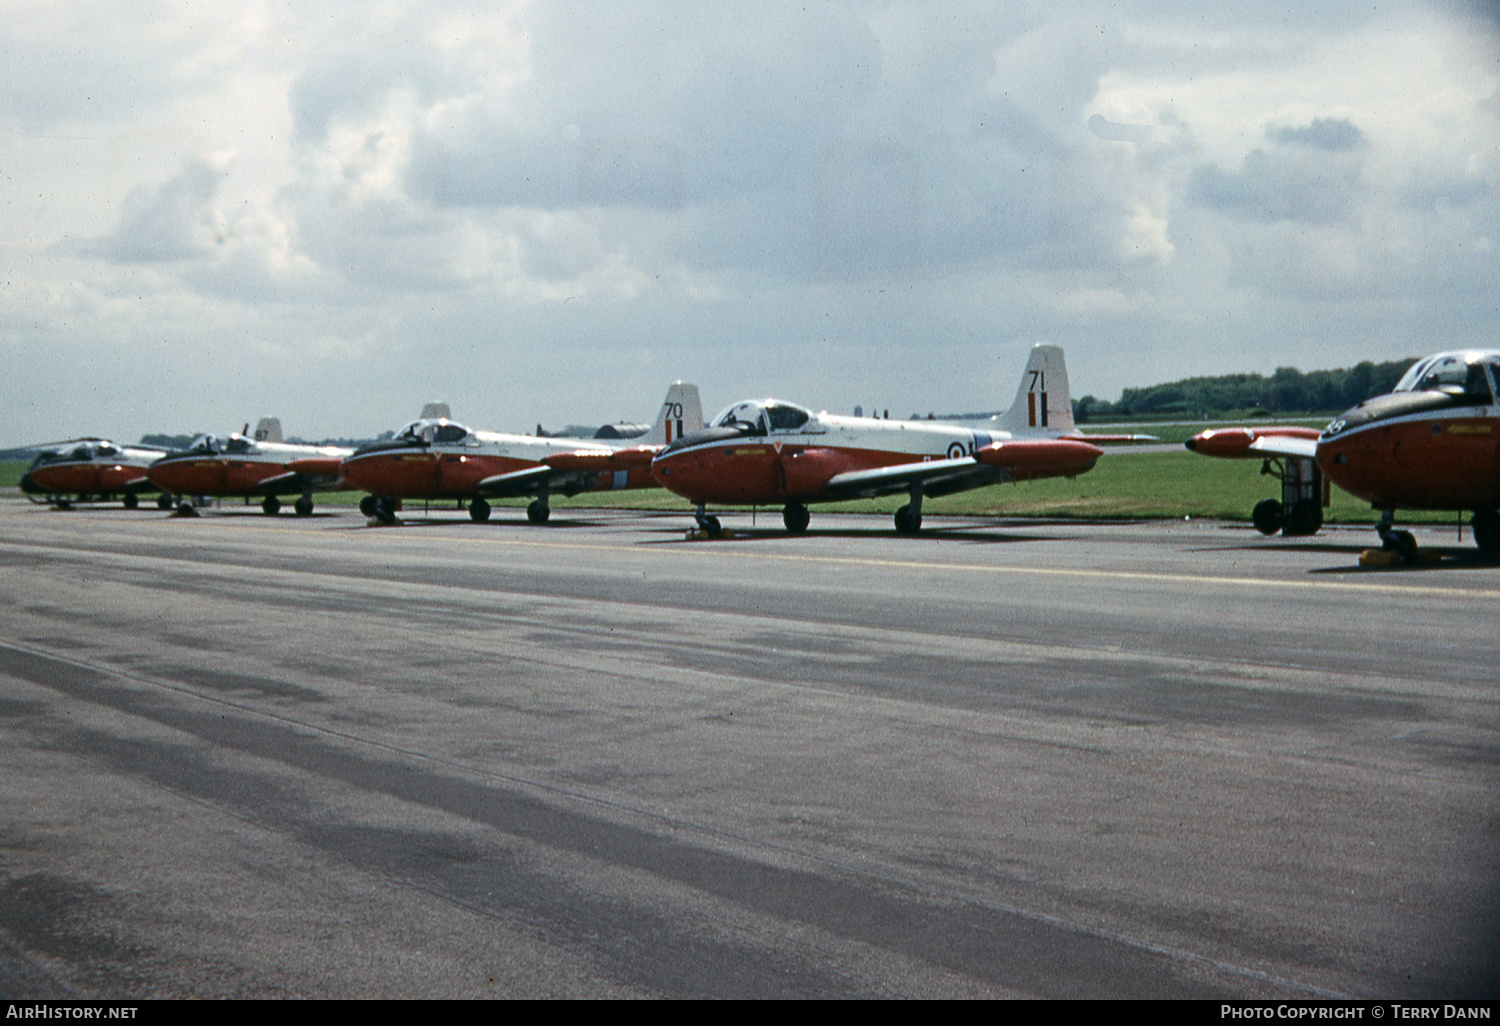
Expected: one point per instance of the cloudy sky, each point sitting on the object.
(333, 211)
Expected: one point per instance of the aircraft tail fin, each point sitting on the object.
(268, 429)
(681, 412)
(1042, 402)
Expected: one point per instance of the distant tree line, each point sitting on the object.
(1287, 391)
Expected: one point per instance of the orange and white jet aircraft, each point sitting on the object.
(436, 458)
(91, 470)
(769, 452)
(1433, 443)
(245, 465)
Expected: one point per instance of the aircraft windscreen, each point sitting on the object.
(744, 417)
(204, 444)
(448, 433)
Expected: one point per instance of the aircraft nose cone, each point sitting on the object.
(29, 485)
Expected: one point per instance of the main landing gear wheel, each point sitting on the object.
(185, 509)
(303, 506)
(908, 522)
(1267, 516)
(367, 505)
(130, 501)
(271, 506)
(538, 512)
(163, 501)
(796, 517)
(1486, 526)
(1303, 518)
(479, 511)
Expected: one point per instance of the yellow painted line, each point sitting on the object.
(708, 548)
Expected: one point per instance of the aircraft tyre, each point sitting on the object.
(712, 527)
(367, 505)
(907, 522)
(271, 506)
(185, 509)
(796, 517)
(1486, 526)
(1267, 516)
(538, 512)
(479, 511)
(385, 510)
(130, 501)
(62, 504)
(1304, 518)
(163, 501)
(303, 506)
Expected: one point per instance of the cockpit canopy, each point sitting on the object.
(205, 445)
(239, 444)
(1472, 373)
(93, 450)
(441, 431)
(761, 416)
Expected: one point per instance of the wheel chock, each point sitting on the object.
(1390, 557)
(696, 534)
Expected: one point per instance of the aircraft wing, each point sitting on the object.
(517, 482)
(1079, 436)
(1256, 442)
(596, 461)
(884, 480)
(137, 485)
(1008, 460)
(314, 474)
(1284, 445)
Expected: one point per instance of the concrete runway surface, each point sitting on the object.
(246, 756)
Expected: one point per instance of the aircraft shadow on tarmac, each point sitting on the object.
(1438, 557)
(988, 531)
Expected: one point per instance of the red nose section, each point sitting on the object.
(189, 476)
(407, 474)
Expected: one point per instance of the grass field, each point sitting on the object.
(1124, 485)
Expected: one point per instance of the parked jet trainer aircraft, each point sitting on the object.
(1432, 443)
(435, 458)
(770, 452)
(91, 469)
(241, 465)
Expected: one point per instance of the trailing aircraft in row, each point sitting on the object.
(1432, 443)
(437, 458)
(244, 465)
(90, 470)
(768, 452)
